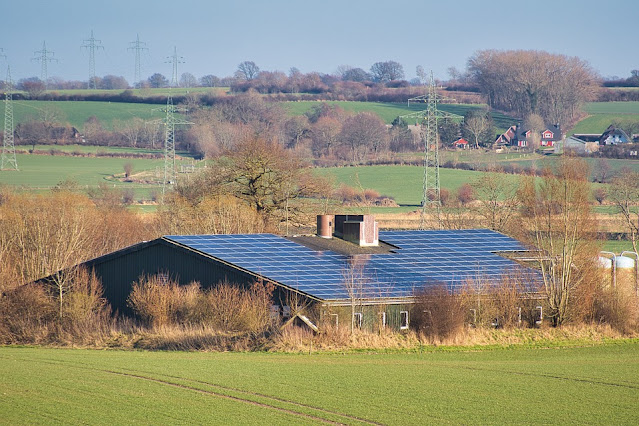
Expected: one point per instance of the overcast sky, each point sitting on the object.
(214, 36)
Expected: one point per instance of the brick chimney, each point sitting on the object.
(358, 229)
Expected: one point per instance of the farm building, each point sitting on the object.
(349, 269)
(521, 137)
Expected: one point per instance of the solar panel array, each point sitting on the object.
(422, 258)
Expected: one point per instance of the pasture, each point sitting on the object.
(76, 113)
(389, 111)
(602, 114)
(593, 384)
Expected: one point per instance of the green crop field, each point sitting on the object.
(389, 111)
(602, 114)
(403, 183)
(77, 112)
(569, 385)
(43, 171)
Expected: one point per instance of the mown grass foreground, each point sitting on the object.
(598, 384)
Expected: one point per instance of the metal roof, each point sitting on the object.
(418, 259)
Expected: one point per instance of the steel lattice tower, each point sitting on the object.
(175, 60)
(44, 56)
(431, 191)
(9, 161)
(137, 46)
(170, 121)
(430, 186)
(92, 44)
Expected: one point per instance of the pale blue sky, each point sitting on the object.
(215, 36)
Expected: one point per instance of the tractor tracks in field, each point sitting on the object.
(226, 392)
(556, 377)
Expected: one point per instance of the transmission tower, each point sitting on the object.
(8, 161)
(44, 56)
(137, 46)
(170, 121)
(91, 44)
(431, 194)
(175, 60)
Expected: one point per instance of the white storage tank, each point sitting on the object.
(624, 262)
(604, 262)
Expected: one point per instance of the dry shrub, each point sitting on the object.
(85, 315)
(231, 307)
(437, 313)
(224, 307)
(331, 338)
(27, 315)
(618, 306)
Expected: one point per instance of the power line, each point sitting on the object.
(92, 44)
(8, 161)
(175, 60)
(137, 46)
(44, 56)
(431, 191)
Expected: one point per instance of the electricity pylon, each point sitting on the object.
(44, 56)
(137, 46)
(170, 121)
(92, 44)
(175, 60)
(431, 190)
(9, 161)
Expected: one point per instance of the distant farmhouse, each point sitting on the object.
(518, 136)
(348, 272)
(587, 143)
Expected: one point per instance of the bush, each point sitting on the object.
(465, 194)
(225, 307)
(437, 314)
(27, 314)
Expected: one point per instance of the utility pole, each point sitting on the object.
(8, 161)
(431, 191)
(92, 44)
(137, 46)
(44, 56)
(175, 60)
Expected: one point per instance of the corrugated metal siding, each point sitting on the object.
(118, 273)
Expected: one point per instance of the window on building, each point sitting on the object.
(403, 320)
(335, 320)
(382, 319)
(357, 319)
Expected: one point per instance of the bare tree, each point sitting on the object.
(557, 219)
(362, 132)
(529, 81)
(477, 126)
(247, 70)
(497, 200)
(387, 71)
(625, 195)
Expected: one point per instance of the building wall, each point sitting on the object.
(371, 319)
(118, 273)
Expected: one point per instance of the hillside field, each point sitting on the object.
(602, 114)
(77, 112)
(597, 385)
(389, 111)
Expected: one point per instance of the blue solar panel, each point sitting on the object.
(420, 258)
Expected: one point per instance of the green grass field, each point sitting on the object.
(389, 111)
(602, 114)
(43, 171)
(403, 183)
(570, 385)
(77, 112)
